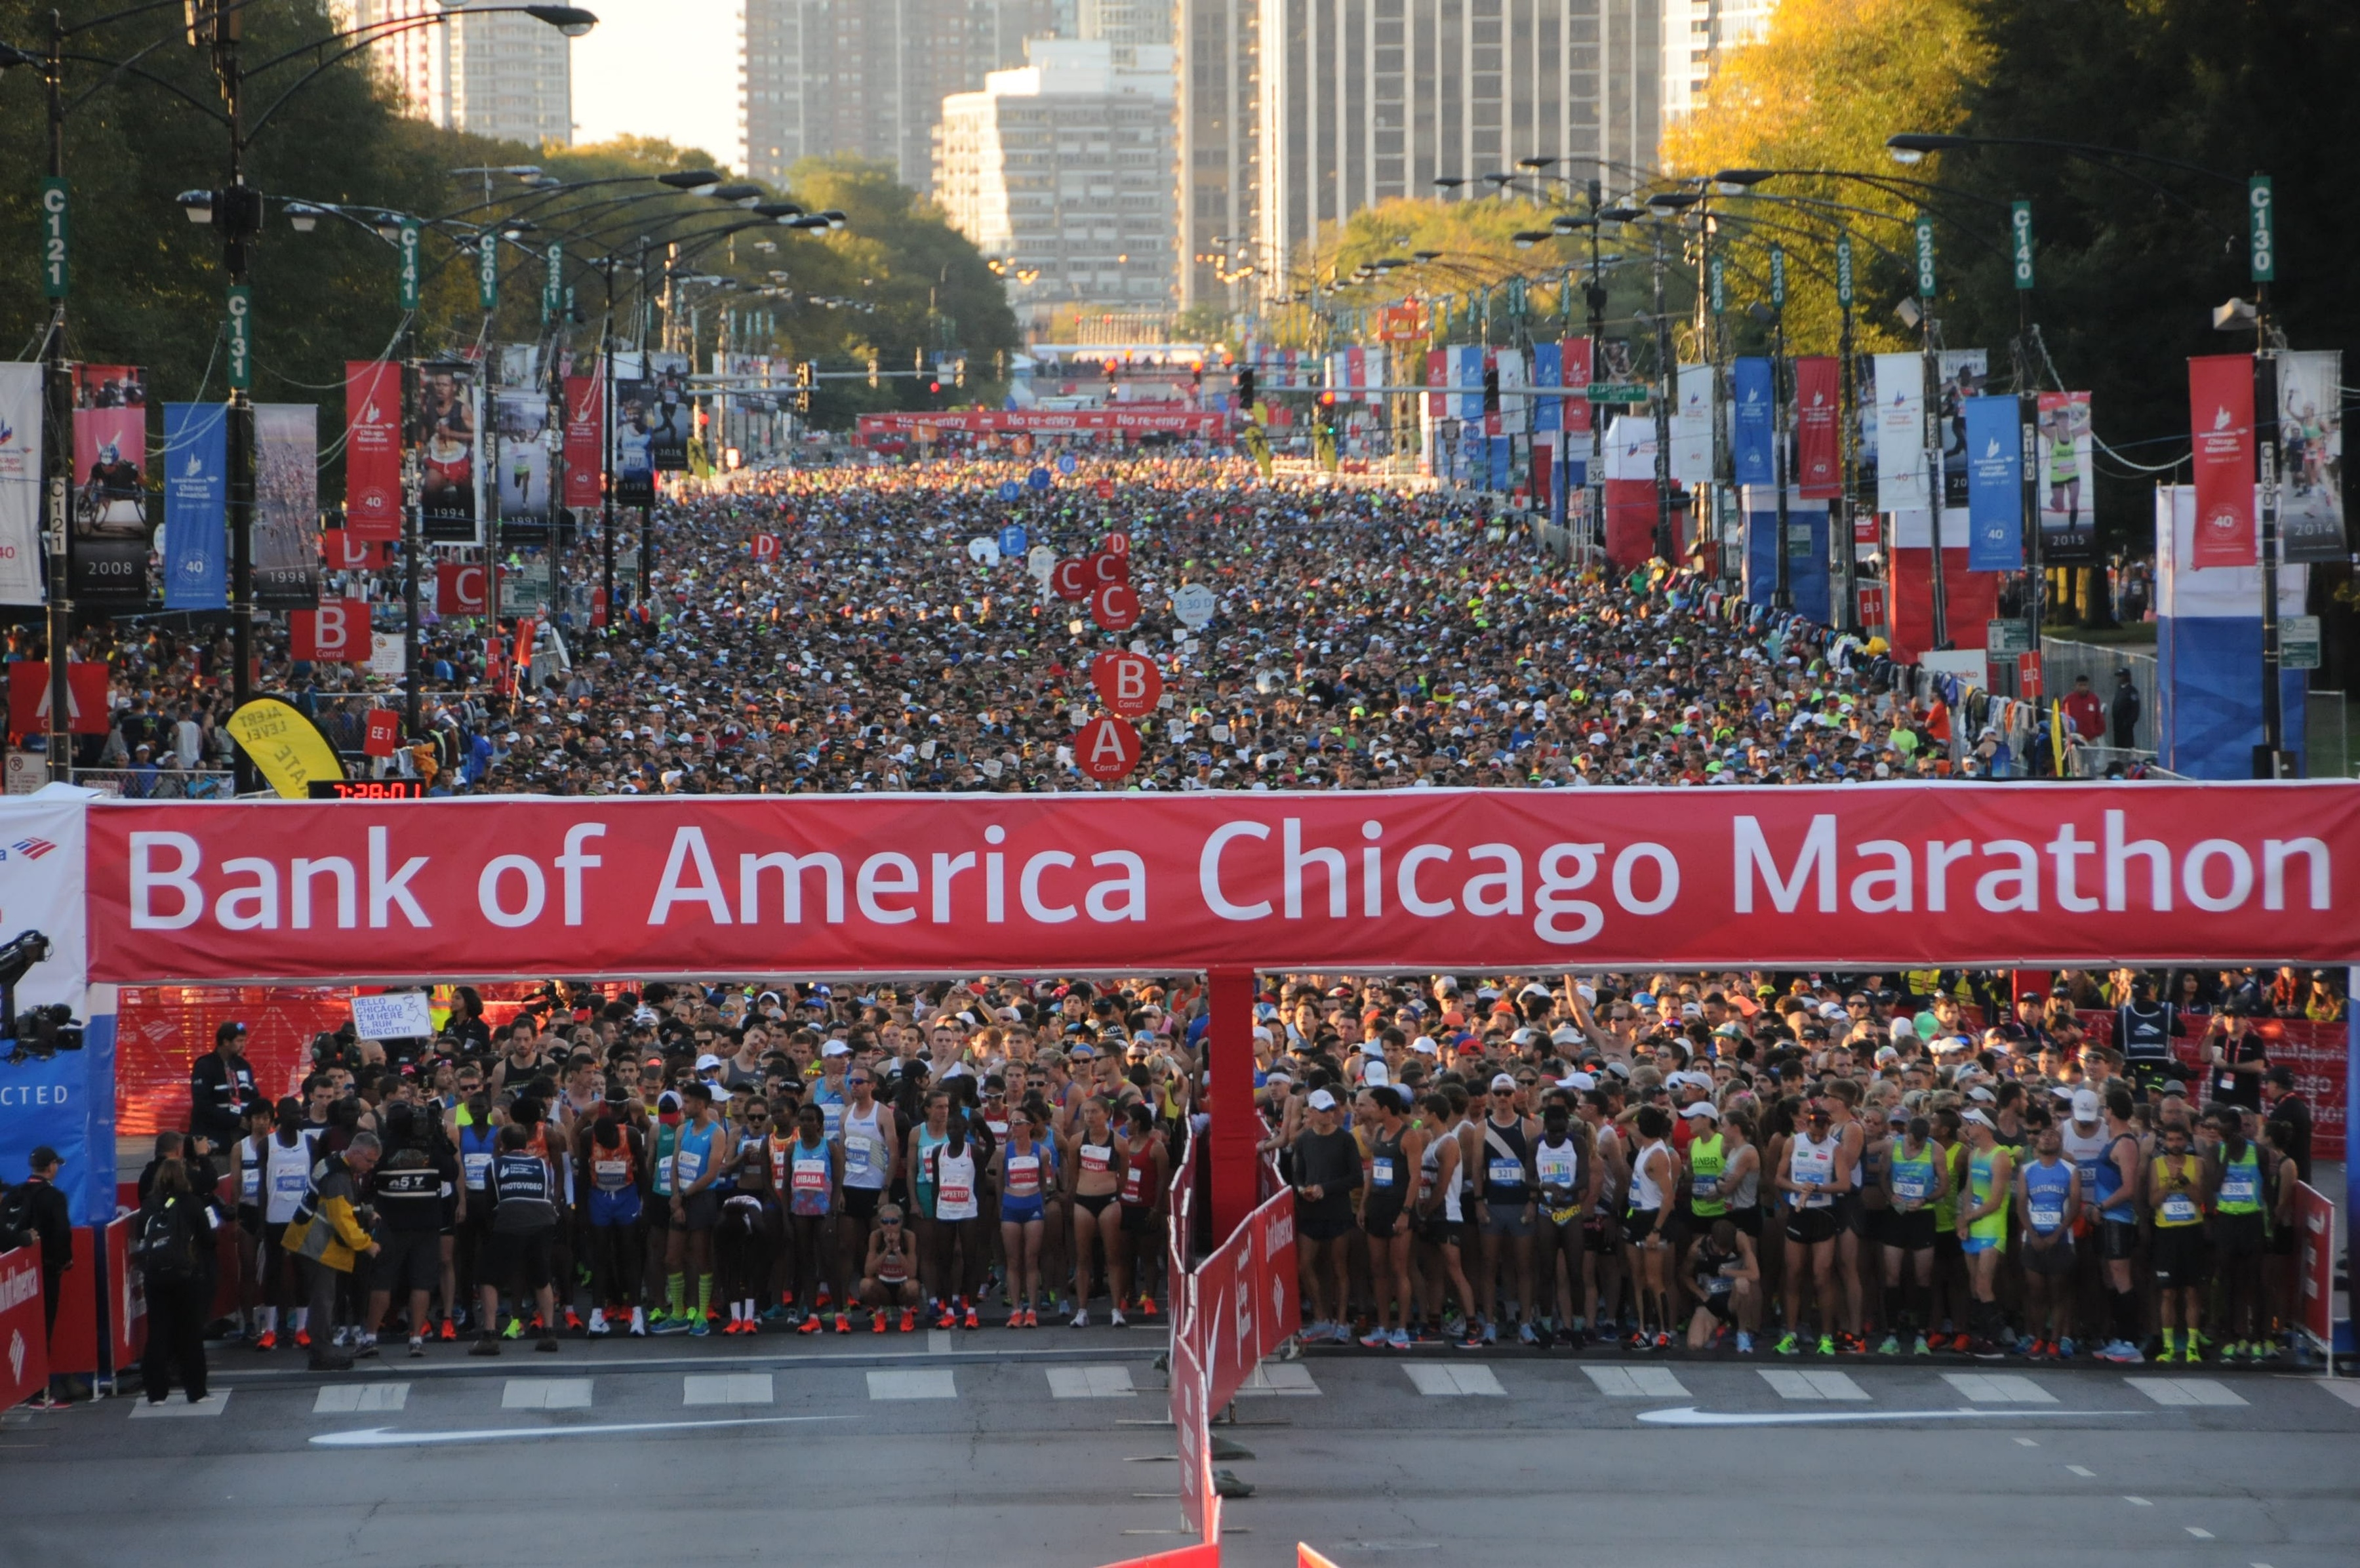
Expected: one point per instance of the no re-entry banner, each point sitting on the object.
(1949, 874)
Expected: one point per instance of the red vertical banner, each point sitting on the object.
(1236, 1128)
(1437, 374)
(2221, 417)
(373, 451)
(126, 1305)
(585, 419)
(1575, 358)
(2314, 1224)
(1818, 454)
(24, 1338)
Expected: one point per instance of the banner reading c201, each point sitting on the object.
(1956, 874)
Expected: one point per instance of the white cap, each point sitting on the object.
(1982, 1096)
(2085, 1105)
(1322, 1101)
(709, 1062)
(1373, 1048)
(1375, 1076)
(1424, 1046)
(1903, 1028)
(835, 1048)
(1579, 1083)
(1975, 1116)
(1701, 1108)
(1502, 1080)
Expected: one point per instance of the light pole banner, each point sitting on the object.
(2067, 482)
(373, 450)
(110, 526)
(1692, 427)
(20, 482)
(585, 436)
(1819, 413)
(1548, 370)
(2221, 416)
(669, 413)
(1752, 396)
(2310, 455)
(1966, 372)
(1577, 369)
(520, 420)
(1901, 432)
(447, 433)
(196, 500)
(286, 506)
(1516, 408)
(1994, 439)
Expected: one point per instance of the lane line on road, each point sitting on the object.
(352, 1398)
(2199, 1534)
(1279, 1379)
(2137, 1502)
(2083, 1471)
(2349, 1392)
(1090, 1383)
(1796, 1384)
(1999, 1389)
(727, 1388)
(1690, 1416)
(2185, 1390)
(1438, 1380)
(927, 1385)
(1636, 1383)
(546, 1393)
(385, 1436)
(213, 1404)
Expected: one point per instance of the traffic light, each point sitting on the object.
(1245, 384)
(873, 372)
(806, 375)
(959, 371)
(1491, 388)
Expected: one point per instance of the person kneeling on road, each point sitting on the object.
(524, 1226)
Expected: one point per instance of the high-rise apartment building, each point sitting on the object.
(1124, 21)
(867, 77)
(1699, 37)
(1365, 100)
(1062, 170)
(409, 60)
(1220, 139)
(509, 76)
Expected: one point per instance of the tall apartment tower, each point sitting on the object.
(1373, 99)
(412, 60)
(1699, 37)
(867, 77)
(509, 76)
(1219, 151)
(1125, 21)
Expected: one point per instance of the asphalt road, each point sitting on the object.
(1044, 1450)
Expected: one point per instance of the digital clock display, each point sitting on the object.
(367, 789)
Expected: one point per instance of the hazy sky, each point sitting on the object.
(660, 68)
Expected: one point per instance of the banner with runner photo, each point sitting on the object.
(111, 530)
(670, 413)
(520, 425)
(21, 581)
(446, 428)
(2310, 455)
(2066, 481)
(286, 506)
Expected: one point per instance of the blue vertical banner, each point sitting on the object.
(1467, 375)
(1751, 392)
(196, 512)
(1994, 484)
(1548, 370)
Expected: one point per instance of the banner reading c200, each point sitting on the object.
(1954, 874)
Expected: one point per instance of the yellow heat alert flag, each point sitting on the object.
(286, 747)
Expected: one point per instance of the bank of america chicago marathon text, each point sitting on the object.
(1343, 867)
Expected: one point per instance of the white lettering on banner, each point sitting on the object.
(790, 868)
(487, 891)
(1405, 881)
(574, 862)
(688, 847)
(19, 1285)
(300, 877)
(180, 880)
(1754, 855)
(385, 892)
(19, 1096)
(254, 908)
(1209, 871)
(872, 880)
(1028, 888)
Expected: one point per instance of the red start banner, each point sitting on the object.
(1169, 420)
(1952, 875)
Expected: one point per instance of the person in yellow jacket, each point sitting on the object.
(327, 1233)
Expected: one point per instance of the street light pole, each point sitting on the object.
(1670, 376)
(57, 397)
(1933, 379)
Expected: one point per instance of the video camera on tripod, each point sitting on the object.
(38, 1033)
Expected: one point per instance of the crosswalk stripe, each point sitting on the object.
(725, 1389)
(1793, 1384)
(1435, 1379)
(546, 1393)
(213, 1404)
(1635, 1382)
(1090, 1382)
(929, 1383)
(2185, 1390)
(1277, 1378)
(1999, 1389)
(2347, 1392)
(353, 1399)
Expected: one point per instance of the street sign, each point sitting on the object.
(1611, 393)
(2019, 233)
(2299, 642)
(2006, 638)
(1844, 271)
(488, 272)
(1720, 287)
(1778, 277)
(241, 339)
(551, 283)
(2262, 233)
(408, 246)
(1798, 539)
(56, 239)
(1925, 256)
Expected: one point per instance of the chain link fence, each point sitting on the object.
(2061, 660)
(2327, 744)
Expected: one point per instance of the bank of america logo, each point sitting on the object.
(32, 848)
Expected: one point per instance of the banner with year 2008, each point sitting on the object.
(112, 533)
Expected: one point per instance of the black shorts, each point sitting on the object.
(1947, 1245)
(520, 1258)
(249, 1219)
(1600, 1236)
(1324, 1228)
(2117, 1240)
(1719, 1306)
(1639, 1226)
(2183, 1261)
(1381, 1227)
(657, 1212)
(406, 1260)
(1749, 1221)
(1440, 1231)
(1138, 1218)
(860, 1203)
(1851, 1213)
(2237, 1235)
(1812, 1226)
(700, 1210)
(1912, 1231)
(2048, 1261)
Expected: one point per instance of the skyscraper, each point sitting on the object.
(1220, 139)
(1373, 99)
(411, 61)
(511, 76)
(867, 77)
(1699, 37)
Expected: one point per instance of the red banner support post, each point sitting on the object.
(1236, 1131)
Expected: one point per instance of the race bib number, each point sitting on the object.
(2180, 1208)
(955, 1196)
(811, 1178)
(1506, 1173)
(690, 1167)
(1380, 1172)
(856, 1147)
(2047, 1217)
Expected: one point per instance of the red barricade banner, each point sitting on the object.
(1247, 1298)
(373, 450)
(1192, 1426)
(2015, 875)
(586, 420)
(127, 1298)
(24, 1340)
(2314, 1221)
(1818, 402)
(2220, 414)
(74, 1347)
(2317, 1054)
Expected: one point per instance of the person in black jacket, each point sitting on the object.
(175, 1232)
(38, 1208)
(410, 1189)
(219, 1084)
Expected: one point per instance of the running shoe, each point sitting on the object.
(450, 1330)
(639, 1323)
(808, 1326)
(1851, 1345)
(572, 1321)
(516, 1328)
(945, 1318)
(417, 1347)
(1317, 1332)
(598, 1326)
(1491, 1333)
(1115, 1317)
(1890, 1346)
(774, 1313)
(2064, 1350)
(302, 1339)
(1987, 1350)
(698, 1330)
(1081, 1317)
(1375, 1339)
(1786, 1345)
(843, 1322)
(1920, 1347)
(877, 1322)
(969, 1320)
(1146, 1305)
(1032, 1318)
(909, 1320)
(1744, 1342)
(1663, 1342)
(1827, 1344)
(1453, 1325)
(547, 1343)
(1473, 1338)
(1526, 1334)
(666, 1325)
(1015, 1317)
(1399, 1339)
(486, 1343)
(269, 1340)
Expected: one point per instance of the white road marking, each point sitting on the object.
(2026, 1442)
(1435, 1379)
(928, 1385)
(2185, 1390)
(385, 1436)
(546, 1393)
(2344, 1390)
(2083, 1471)
(2199, 1534)
(1690, 1416)
(2137, 1502)
(1636, 1383)
(725, 1389)
(1090, 1382)
(351, 1398)
(1277, 1378)
(211, 1405)
(1999, 1389)
(1795, 1385)
(938, 1341)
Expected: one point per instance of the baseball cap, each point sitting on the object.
(1975, 1116)
(1579, 1083)
(1372, 1047)
(709, 1062)
(1375, 1077)
(1322, 1101)
(1425, 1046)
(2085, 1105)
(1700, 1108)
(1502, 1080)
(1982, 1096)
(835, 1048)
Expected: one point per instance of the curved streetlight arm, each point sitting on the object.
(131, 67)
(1897, 258)
(1950, 141)
(364, 37)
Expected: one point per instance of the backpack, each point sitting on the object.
(162, 1245)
